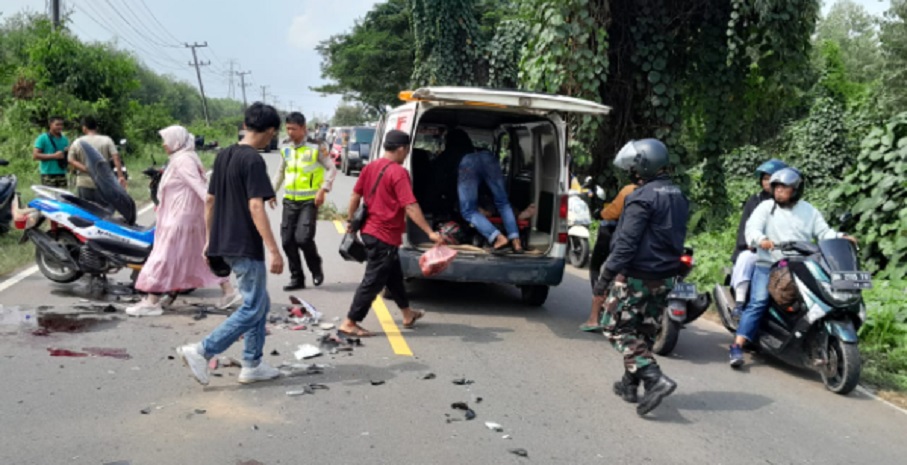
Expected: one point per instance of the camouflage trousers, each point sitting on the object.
(633, 313)
(54, 180)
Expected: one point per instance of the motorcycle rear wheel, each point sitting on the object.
(53, 270)
(578, 252)
(667, 336)
(842, 373)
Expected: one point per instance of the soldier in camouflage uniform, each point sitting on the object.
(640, 271)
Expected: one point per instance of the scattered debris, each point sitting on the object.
(65, 353)
(307, 351)
(300, 369)
(469, 413)
(303, 312)
(170, 357)
(146, 411)
(275, 353)
(107, 352)
(429, 376)
(521, 452)
(377, 382)
(227, 362)
(200, 411)
(119, 462)
(327, 326)
(463, 382)
(254, 427)
(478, 400)
(299, 392)
(506, 436)
(299, 328)
(109, 309)
(213, 363)
(494, 426)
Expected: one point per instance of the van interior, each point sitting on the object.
(527, 147)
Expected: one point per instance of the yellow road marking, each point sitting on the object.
(340, 227)
(390, 328)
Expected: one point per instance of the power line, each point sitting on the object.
(133, 28)
(161, 26)
(111, 25)
(162, 42)
(148, 56)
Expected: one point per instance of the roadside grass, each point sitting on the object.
(14, 255)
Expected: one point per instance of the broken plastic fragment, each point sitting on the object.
(459, 406)
(470, 414)
(65, 353)
(463, 381)
(494, 426)
(377, 382)
(275, 353)
(307, 351)
(200, 411)
(521, 452)
(146, 410)
(300, 392)
(298, 328)
(107, 352)
(429, 376)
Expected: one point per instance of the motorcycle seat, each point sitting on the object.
(132, 227)
(89, 206)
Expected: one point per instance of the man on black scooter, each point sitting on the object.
(640, 270)
(786, 218)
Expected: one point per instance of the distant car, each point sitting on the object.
(354, 155)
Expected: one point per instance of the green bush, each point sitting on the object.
(876, 192)
(883, 337)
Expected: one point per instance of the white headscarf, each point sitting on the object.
(178, 139)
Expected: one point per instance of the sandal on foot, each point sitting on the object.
(590, 328)
(356, 332)
(417, 314)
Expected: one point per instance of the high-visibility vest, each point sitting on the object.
(303, 174)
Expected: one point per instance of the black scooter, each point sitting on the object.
(819, 329)
(8, 197)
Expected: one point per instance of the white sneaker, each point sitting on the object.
(229, 301)
(144, 308)
(193, 359)
(262, 372)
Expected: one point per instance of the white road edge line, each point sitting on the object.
(870, 394)
(34, 268)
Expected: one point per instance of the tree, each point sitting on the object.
(352, 114)
(894, 48)
(857, 34)
(449, 46)
(373, 62)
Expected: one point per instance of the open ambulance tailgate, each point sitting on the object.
(510, 99)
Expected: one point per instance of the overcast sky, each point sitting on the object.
(274, 39)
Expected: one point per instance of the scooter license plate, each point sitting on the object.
(683, 291)
(851, 280)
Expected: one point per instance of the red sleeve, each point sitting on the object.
(403, 188)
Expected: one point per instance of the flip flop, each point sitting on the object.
(417, 314)
(358, 332)
(590, 328)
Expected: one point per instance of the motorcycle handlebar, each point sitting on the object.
(3, 162)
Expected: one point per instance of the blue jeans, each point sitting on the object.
(484, 167)
(757, 305)
(249, 319)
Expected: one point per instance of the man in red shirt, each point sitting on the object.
(388, 193)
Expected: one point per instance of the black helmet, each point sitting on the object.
(789, 177)
(645, 157)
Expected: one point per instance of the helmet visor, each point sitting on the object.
(626, 157)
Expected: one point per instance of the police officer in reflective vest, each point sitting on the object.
(309, 174)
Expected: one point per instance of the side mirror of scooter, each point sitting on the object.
(845, 221)
(599, 192)
(3, 162)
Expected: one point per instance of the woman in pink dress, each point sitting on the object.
(176, 262)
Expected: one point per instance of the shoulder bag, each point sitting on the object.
(351, 247)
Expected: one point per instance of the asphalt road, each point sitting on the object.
(544, 382)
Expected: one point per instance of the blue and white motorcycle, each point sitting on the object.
(85, 237)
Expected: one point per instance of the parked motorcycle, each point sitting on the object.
(685, 305)
(579, 218)
(8, 198)
(819, 329)
(84, 237)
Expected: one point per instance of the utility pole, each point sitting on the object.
(230, 92)
(264, 92)
(243, 85)
(198, 73)
(55, 13)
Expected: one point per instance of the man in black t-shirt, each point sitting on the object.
(237, 224)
